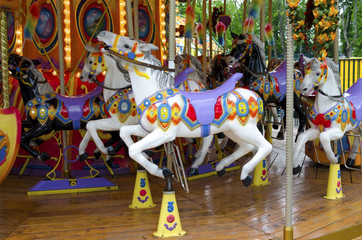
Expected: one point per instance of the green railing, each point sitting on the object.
(350, 70)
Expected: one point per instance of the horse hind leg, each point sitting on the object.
(34, 132)
(201, 156)
(356, 143)
(302, 115)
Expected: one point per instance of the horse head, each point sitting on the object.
(94, 63)
(219, 66)
(185, 61)
(315, 71)
(241, 47)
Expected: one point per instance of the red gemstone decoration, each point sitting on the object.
(143, 192)
(170, 218)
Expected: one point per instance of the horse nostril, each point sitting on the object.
(81, 77)
(305, 89)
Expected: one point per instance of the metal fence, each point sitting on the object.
(350, 70)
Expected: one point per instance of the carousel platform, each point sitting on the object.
(215, 208)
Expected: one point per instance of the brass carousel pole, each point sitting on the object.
(204, 36)
(4, 57)
(270, 21)
(210, 28)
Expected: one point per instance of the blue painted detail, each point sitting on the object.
(170, 206)
(143, 182)
(2, 152)
(76, 125)
(344, 115)
(267, 88)
(264, 163)
(242, 108)
(42, 107)
(328, 117)
(205, 130)
(339, 173)
(164, 113)
(170, 92)
(100, 59)
(122, 103)
(38, 99)
(147, 103)
(18, 69)
(159, 96)
(131, 55)
(139, 111)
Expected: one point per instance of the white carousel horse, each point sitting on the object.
(166, 113)
(332, 114)
(119, 103)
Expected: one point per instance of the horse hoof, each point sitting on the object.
(220, 135)
(111, 151)
(109, 162)
(247, 181)
(193, 172)
(339, 160)
(97, 155)
(297, 170)
(275, 126)
(43, 156)
(350, 162)
(221, 172)
(166, 172)
(83, 156)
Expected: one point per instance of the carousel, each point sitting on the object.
(122, 119)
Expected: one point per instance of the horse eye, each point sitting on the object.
(318, 74)
(90, 62)
(126, 46)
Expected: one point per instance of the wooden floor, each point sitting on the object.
(215, 208)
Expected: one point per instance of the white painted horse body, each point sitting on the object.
(163, 112)
(185, 61)
(120, 104)
(332, 115)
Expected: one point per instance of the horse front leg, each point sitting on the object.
(302, 115)
(194, 170)
(325, 138)
(354, 150)
(152, 140)
(106, 124)
(34, 132)
(309, 135)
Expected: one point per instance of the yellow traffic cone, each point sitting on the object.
(169, 224)
(334, 189)
(142, 197)
(260, 175)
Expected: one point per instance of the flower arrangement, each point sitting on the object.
(323, 15)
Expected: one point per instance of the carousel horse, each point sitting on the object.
(270, 86)
(332, 114)
(119, 98)
(185, 61)
(50, 111)
(166, 113)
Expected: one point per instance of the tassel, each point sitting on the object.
(220, 30)
(255, 9)
(249, 26)
(190, 18)
(269, 34)
(31, 20)
(199, 30)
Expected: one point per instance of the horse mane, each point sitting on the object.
(43, 84)
(261, 47)
(121, 68)
(335, 69)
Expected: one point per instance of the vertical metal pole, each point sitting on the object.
(262, 23)
(171, 34)
(225, 31)
(4, 57)
(66, 172)
(270, 21)
(336, 41)
(210, 27)
(129, 18)
(204, 36)
(244, 10)
(136, 24)
(288, 228)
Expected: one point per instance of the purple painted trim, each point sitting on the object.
(353, 94)
(171, 228)
(182, 76)
(142, 201)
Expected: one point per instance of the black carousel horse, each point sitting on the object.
(271, 86)
(52, 111)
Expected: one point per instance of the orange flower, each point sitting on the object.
(315, 13)
(295, 37)
(333, 11)
(301, 23)
(333, 36)
(317, 2)
(323, 53)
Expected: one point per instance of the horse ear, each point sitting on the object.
(233, 35)
(177, 59)
(147, 47)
